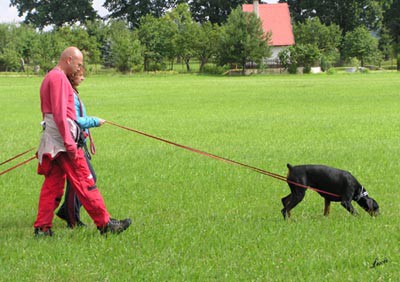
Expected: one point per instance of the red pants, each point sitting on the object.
(78, 174)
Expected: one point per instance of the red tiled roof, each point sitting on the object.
(275, 18)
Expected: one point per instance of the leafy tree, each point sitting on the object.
(55, 12)
(4, 36)
(205, 46)
(157, 36)
(16, 45)
(98, 32)
(392, 20)
(187, 32)
(288, 59)
(300, 55)
(47, 50)
(134, 10)
(308, 55)
(125, 47)
(327, 39)
(398, 62)
(28, 42)
(168, 31)
(312, 31)
(392, 23)
(9, 60)
(47, 47)
(386, 43)
(361, 45)
(9, 57)
(79, 37)
(347, 14)
(214, 11)
(202, 10)
(243, 40)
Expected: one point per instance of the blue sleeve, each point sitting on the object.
(88, 122)
(84, 121)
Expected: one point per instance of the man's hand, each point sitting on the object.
(72, 154)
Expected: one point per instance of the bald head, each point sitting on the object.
(71, 60)
(70, 51)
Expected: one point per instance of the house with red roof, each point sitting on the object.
(275, 19)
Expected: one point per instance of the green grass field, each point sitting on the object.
(198, 219)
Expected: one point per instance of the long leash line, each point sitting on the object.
(17, 156)
(18, 165)
(259, 170)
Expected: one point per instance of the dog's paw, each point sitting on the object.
(284, 213)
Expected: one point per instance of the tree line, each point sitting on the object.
(152, 34)
(154, 45)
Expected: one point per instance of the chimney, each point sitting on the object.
(255, 7)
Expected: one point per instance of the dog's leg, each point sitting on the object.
(285, 213)
(295, 198)
(349, 207)
(327, 207)
(285, 201)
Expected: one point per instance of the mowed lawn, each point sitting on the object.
(199, 219)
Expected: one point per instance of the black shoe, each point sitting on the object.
(115, 226)
(61, 214)
(39, 232)
(76, 224)
(80, 224)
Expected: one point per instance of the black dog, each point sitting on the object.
(331, 180)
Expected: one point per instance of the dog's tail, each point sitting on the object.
(289, 166)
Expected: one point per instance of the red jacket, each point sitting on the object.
(57, 98)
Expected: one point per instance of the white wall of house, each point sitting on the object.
(274, 60)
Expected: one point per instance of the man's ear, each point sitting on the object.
(69, 60)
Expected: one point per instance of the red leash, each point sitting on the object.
(18, 165)
(17, 156)
(259, 170)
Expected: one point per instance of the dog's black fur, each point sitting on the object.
(332, 180)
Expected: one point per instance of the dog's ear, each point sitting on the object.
(289, 166)
(363, 202)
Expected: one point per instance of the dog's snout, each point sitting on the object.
(374, 212)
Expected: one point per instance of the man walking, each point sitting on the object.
(60, 157)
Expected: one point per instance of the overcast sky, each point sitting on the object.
(10, 14)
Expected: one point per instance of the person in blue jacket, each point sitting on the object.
(70, 208)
